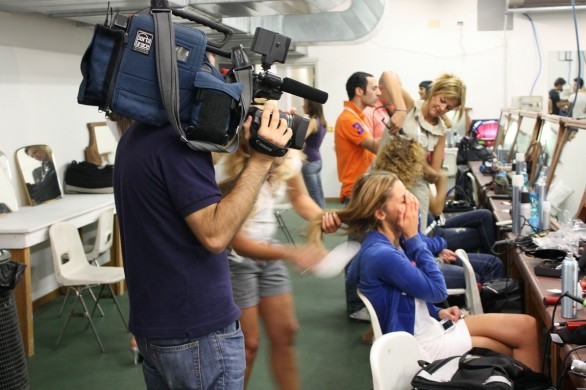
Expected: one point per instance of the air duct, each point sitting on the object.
(351, 24)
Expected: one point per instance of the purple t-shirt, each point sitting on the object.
(176, 287)
(313, 143)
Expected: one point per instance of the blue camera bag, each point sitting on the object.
(121, 75)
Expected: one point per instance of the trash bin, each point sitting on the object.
(13, 367)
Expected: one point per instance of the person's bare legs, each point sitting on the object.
(278, 314)
(515, 335)
(250, 328)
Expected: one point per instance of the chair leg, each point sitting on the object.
(79, 296)
(117, 305)
(63, 304)
(283, 227)
(97, 304)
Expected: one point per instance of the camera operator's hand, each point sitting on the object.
(272, 128)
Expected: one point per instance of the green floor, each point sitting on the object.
(330, 353)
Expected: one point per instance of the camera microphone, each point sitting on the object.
(303, 90)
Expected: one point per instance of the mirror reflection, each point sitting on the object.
(567, 186)
(37, 169)
(525, 133)
(8, 200)
(503, 125)
(511, 135)
(102, 147)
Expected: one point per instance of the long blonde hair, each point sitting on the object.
(369, 194)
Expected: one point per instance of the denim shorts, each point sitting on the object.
(256, 279)
(214, 361)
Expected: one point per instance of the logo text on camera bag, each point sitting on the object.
(143, 42)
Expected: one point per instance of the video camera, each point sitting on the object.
(266, 85)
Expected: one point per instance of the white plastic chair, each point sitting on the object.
(101, 244)
(104, 237)
(449, 164)
(73, 271)
(471, 293)
(376, 328)
(393, 361)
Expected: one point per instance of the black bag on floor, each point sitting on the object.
(88, 178)
(504, 295)
(479, 368)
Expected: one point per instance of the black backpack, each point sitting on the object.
(470, 150)
(479, 369)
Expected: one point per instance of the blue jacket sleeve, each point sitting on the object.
(423, 281)
(434, 244)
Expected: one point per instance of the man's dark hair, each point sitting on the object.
(425, 84)
(580, 82)
(559, 81)
(357, 80)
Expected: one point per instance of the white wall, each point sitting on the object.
(40, 57)
(420, 39)
(39, 78)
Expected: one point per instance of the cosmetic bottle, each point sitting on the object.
(569, 281)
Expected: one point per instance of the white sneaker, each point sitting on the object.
(361, 315)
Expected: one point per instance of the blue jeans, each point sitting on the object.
(472, 231)
(213, 361)
(486, 267)
(312, 177)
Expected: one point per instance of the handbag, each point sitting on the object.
(146, 68)
(478, 369)
(503, 295)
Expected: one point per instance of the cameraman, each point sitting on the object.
(175, 228)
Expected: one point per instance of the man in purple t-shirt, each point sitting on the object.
(175, 227)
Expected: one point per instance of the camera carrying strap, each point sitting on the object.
(168, 80)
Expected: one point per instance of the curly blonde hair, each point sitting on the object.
(402, 156)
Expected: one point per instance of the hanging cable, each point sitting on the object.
(538, 52)
(570, 113)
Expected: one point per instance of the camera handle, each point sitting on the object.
(227, 32)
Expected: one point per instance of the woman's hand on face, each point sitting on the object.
(409, 220)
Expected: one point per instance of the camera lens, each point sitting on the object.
(287, 117)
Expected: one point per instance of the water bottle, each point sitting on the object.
(541, 193)
(569, 282)
(516, 210)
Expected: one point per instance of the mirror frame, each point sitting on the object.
(500, 135)
(555, 119)
(522, 115)
(512, 113)
(565, 124)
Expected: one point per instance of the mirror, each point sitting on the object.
(36, 165)
(568, 183)
(102, 147)
(528, 127)
(8, 200)
(550, 137)
(503, 125)
(511, 135)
